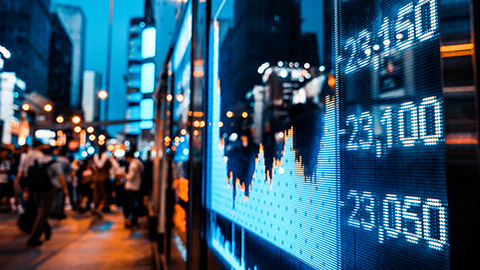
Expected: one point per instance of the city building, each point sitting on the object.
(92, 82)
(25, 31)
(133, 78)
(21, 111)
(140, 80)
(73, 19)
(60, 68)
(7, 90)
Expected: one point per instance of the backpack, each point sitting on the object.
(38, 179)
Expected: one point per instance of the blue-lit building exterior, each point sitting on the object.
(140, 78)
(305, 134)
(133, 75)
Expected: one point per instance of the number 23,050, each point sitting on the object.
(411, 216)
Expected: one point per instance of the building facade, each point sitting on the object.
(92, 82)
(60, 69)
(25, 31)
(74, 22)
(133, 78)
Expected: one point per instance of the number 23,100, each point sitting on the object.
(409, 124)
(363, 49)
(409, 215)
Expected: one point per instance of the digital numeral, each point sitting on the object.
(413, 23)
(409, 124)
(407, 216)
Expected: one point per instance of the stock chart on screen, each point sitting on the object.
(351, 174)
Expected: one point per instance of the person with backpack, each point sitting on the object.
(44, 178)
(102, 165)
(27, 218)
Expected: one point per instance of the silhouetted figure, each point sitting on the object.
(44, 177)
(133, 181)
(101, 166)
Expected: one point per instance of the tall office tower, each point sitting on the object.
(25, 31)
(92, 82)
(73, 19)
(60, 70)
(133, 78)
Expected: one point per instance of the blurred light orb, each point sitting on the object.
(60, 119)
(102, 94)
(76, 119)
(91, 150)
(48, 107)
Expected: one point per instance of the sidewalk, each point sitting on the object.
(78, 242)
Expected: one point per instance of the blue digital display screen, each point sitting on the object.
(339, 169)
(393, 201)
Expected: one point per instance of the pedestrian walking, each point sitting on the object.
(133, 181)
(85, 185)
(101, 166)
(67, 170)
(44, 178)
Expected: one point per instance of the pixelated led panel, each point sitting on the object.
(391, 133)
(377, 198)
(297, 216)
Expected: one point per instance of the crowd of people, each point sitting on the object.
(41, 181)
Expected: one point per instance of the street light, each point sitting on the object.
(76, 119)
(25, 107)
(90, 129)
(101, 137)
(77, 129)
(60, 119)
(91, 137)
(180, 97)
(48, 107)
(102, 94)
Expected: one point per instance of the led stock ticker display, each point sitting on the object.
(361, 183)
(393, 202)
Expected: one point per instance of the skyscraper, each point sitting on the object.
(92, 81)
(25, 31)
(134, 66)
(60, 69)
(73, 20)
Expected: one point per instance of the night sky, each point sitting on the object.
(96, 13)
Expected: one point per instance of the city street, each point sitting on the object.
(78, 242)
